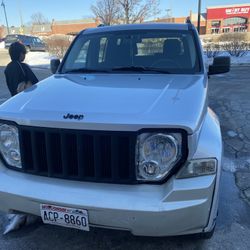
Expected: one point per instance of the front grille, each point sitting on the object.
(98, 156)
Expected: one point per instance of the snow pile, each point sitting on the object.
(241, 60)
(245, 59)
(17, 221)
(1, 45)
(38, 59)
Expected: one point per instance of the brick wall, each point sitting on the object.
(1, 31)
(183, 20)
(71, 28)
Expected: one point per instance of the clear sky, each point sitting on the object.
(77, 9)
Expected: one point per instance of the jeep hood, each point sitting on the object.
(111, 102)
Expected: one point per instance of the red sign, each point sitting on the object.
(222, 13)
(236, 11)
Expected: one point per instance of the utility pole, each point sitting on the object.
(21, 29)
(3, 5)
(199, 16)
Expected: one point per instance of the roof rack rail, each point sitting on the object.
(102, 25)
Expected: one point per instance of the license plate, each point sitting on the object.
(65, 216)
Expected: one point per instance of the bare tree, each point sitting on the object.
(134, 11)
(236, 44)
(106, 10)
(39, 18)
(212, 49)
(125, 11)
(57, 45)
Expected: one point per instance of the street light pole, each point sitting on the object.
(3, 5)
(199, 16)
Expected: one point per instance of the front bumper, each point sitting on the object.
(174, 208)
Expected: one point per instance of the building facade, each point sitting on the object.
(41, 29)
(72, 26)
(2, 32)
(228, 19)
(219, 19)
(193, 17)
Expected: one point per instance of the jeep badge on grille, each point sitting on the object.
(75, 117)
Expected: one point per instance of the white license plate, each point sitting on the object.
(65, 216)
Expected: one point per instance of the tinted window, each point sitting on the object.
(174, 51)
(78, 57)
(25, 39)
(38, 40)
(11, 39)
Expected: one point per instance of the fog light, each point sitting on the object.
(198, 168)
(15, 155)
(149, 169)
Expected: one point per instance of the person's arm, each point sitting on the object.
(30, 75)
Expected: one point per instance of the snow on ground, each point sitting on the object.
(1, 45)
(241, 60)
(234, 60)
(42, 59)
(38, 59)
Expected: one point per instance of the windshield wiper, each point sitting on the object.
(141, 69)
(84, 70)
(128, 69)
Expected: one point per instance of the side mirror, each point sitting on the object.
(220, 65)
(54, 64)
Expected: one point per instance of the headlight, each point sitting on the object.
(198, 167)
(9, 145)
(156, 155)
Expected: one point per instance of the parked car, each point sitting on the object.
(121, 136)
(32, 43)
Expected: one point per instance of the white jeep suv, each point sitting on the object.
(121, 136)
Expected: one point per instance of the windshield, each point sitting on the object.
(155, 51)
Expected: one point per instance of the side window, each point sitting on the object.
(102, 50)
(192, 50)
(82, 56)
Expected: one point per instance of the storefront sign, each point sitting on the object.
(223, 13)
(234, 11)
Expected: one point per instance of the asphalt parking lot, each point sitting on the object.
(229, 98)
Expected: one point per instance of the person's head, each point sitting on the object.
(17, 51)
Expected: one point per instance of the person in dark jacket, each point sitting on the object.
(17, 72)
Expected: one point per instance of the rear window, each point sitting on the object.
(173, 51)
(11, 39)
(14, 38)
